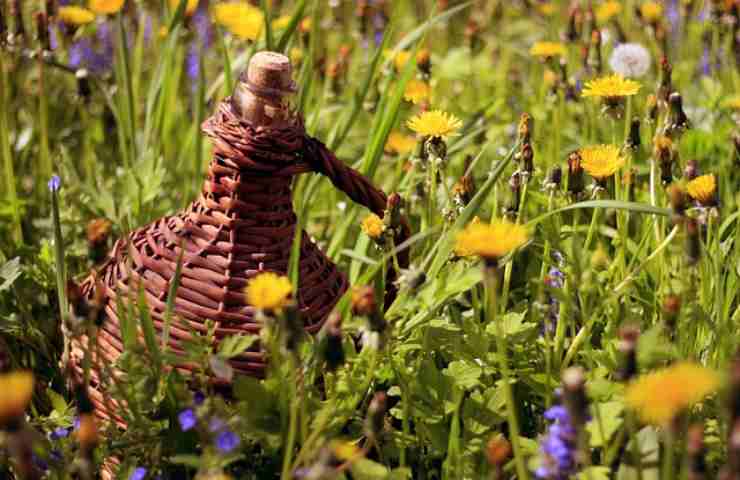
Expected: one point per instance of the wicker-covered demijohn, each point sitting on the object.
(241, 224)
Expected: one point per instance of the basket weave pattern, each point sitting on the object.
(242, 224)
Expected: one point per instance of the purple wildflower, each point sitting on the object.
(58, 433)
(187, 419)
(76, 423)
(39, 462)
(558, 446)
(54, 183)
(139, 473)
(198, 398)
(226, 441)
(554, 279)
(192, 63)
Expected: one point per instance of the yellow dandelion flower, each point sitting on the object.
(732, 103)
(72, 15)
(163, 31)
(547, 49)
(601, 161)
(550, 78)
(345, 451)
(373, 226)
(269, 291)
(416, 91)
(399, 144)
(703, 188)
(190, 6)
(105, 7)
(491, 241)
(296, 55)
(651, 11)
(305, 25)
(241, 19)
(435, 123)
(611, 87)
(401, 59)
(607, 10)
(547, 9)
(659, 396)
(281, 22)
(17, 388)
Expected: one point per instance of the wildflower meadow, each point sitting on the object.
(365, 240)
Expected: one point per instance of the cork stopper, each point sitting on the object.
(259, 96)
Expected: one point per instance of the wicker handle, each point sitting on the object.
(362, 191)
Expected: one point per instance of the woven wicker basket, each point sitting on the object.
(241, 224)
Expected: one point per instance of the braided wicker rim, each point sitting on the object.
(241, 224)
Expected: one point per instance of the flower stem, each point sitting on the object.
(292, 427)
(490, 275)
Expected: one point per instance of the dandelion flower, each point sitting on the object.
(651, 12)
(547, 9)
(241, 19)
(416, 91)
(601, 161)
(281, 22)
(17, 388)
(399, 144)
(607, 10)
(190, 6)
(373, 226)
(703, 188)
(435, 123)
(72, 15)
(659, 396)
(400, 60)
(105, 7)
(547, 49)
(491, 241)
(612, 87)
(269, 291)
(630, 60)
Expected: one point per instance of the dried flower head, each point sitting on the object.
(659, 396)
(630, 60)
(373, 226)
(492, 241)
(547, 49)
(241, 19)
(399, 144)
(105, 7)
(435, 123)
(73, 15)
(416, 91)
(612, 87)
(269, 291)
(17, 388)
(607, 10)
(601, 161)
(703, 189)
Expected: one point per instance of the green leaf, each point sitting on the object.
(364, 469)
(633, 207)
(606, 421)
(464, 374)
(187, 460)
(235, 344)
(9, 272)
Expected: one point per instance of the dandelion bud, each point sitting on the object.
(596, 61)
(526, 159)
(42, 30)
(677, 196)
(525, 128)
(363, 300)
(374, 421)
(98, 231)
(633, 139)
(464, 189)
(628, 336)
(392, 216)
(472, 35)
(498, 450)
(83, 84)
(555, 177)
(515, 185)
(693, 243)
(19, 30)
(665, 156)
(651, 106)
(665, 87)
(575, 174)
(678, 122)
(330, 342)
(697, 465)
(575, 20)
(692, 170)
(671, 310)
(574, 395)
(424, 62)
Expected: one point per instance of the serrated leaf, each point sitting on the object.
(235, 344)
(464, 374)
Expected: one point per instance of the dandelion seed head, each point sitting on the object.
(631, 60)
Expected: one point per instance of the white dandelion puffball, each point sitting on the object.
(630, 60)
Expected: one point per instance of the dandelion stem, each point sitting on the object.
(292, 424)
(490, 276)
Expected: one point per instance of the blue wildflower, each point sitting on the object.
(187, 419)
(558, 446)
(54, 183)
(58, 433)
(192, 63)
(555, 278)
(226, 441)
(139, 473)
(198, 398)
